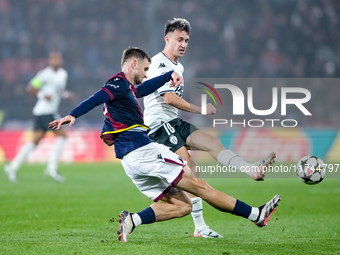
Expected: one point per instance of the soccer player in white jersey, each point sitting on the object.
(49, 87)
(161, 115)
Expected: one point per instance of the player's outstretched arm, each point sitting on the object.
(153, 84)
(172, 99)
(56, 124)
(37, 92)
(88, 104)
(31, 90)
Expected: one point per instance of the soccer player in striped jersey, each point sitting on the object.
(161, 115)
(153, 168)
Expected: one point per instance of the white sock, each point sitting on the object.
(197, 213)
(22, 155)
(52, 165)
(136, 219)
(231, 159)
(254, 213)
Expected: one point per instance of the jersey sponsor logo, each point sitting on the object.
(113, 85)
(161, 65)
(173, 139)
(159, 156)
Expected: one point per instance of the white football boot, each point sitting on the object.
(11, 173)
(207, 233)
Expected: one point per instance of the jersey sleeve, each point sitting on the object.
(149, 86)
(38, 81)
(87, 105)
(115, 88)
(166, 89)
(157, 68)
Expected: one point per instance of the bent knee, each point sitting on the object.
(184, 209)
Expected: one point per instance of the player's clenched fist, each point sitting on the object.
(176, 80)
(211, 110)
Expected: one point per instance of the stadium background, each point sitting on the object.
(267, 38)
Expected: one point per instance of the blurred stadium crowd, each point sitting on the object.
(233, 38)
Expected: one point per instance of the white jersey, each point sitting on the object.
(52, 83)
(156, 111)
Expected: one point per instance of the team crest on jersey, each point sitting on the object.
(161, 65)
(173, 139)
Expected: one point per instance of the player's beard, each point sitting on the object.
(138, 80)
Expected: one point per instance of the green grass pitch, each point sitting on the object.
(39, 216)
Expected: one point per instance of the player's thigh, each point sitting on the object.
(185, 155)
(176, 196)
(191, 184)
(60, 132)
(200, 140)
(154, 169)
(183, 152)
(185, 129)
(37, 136)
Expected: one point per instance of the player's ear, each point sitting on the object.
(134, 63)
(166, 39)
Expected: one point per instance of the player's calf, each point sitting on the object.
(177, 204)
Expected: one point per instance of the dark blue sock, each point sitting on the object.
(241, 209)
(147, 216)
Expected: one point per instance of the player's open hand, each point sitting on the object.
(211, 110)
(57, 123)
(176, 80)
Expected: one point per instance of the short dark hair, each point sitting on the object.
(134, 52)
(177, 24)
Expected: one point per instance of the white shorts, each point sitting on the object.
(154, 169)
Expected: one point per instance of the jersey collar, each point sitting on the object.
(121, 74)
(175, 63)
